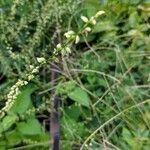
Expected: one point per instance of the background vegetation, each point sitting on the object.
(104, 84)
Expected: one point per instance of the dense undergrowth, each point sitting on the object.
(104, 84)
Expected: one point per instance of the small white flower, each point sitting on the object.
(88, 29)
(55, 51)
(69, 34)
(85, 19)
(19, 83)
(17, 90)
(68, 50)
(90, 144)
(99, 13)
(11, 92)
(14, 97)
(41, 60)
(9, 96)
(13, 87)
(25, 82)
(93, 21)
(65, 51)
(35, 70)
(58, 46)
(31, 67)
(30, 77)
(86, 145)
(77, 39)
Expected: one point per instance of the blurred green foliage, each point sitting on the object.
(106, 73)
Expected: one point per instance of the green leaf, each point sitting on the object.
(30, 127)
(91, 79)
(13, 138)
(7, 122)
(89, 38)
(133, 19)
(42, 137)
(65, 87)
(104, 26)
(79, 96)
(3, 145)
(127, 136)
(91, 7)
(73, 112)
(23, 101)
(72, 129)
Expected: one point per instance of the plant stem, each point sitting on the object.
(54, 117)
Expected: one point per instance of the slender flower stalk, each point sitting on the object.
(15, 89)
(73, 37)
(61, 48)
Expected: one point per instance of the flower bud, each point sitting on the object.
(41, 60)
(77, 39)
(93, 21)
(69, 34)
(85, 19)
(99, 13)
(88, 29)
(58, 46)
